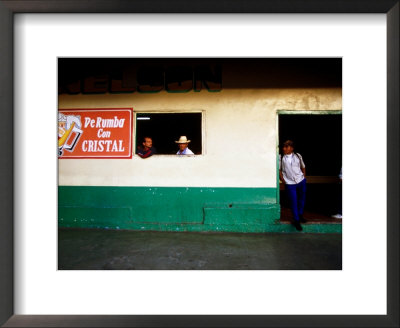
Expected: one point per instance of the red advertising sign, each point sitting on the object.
(95, 133)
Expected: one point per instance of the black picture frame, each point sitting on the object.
(10, 7)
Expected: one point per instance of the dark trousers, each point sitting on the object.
(297, 197)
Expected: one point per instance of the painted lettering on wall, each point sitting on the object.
(95, 133)
(147, 79)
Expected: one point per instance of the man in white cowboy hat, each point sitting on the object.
(183, 143)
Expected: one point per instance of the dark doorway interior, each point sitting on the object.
(318, 138)
(166, 128)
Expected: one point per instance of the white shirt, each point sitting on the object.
(288, 158)
(187, 151)
(291, 166)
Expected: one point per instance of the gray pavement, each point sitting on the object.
(86, 249)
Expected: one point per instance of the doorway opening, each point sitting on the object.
(318, 138)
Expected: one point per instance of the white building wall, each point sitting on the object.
(239, 138)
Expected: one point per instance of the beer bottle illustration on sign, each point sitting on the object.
(69, 132)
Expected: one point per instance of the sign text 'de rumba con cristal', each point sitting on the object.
(95, 133)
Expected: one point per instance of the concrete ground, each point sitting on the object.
(85, 249)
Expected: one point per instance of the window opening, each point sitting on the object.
(166, 128)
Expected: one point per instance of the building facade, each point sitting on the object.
(230, 184)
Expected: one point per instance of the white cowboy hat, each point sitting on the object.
(183, 140)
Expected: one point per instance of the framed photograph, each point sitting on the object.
(187, 185)
(40, 42)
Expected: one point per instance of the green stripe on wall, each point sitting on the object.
(172, 209)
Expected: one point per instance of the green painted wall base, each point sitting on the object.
(175, 209)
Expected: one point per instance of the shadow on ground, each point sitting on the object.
(85, 249)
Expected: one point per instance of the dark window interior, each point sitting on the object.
(318, 138)
(165, 129)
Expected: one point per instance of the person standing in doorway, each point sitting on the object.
(183, 143)
(292, 172)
